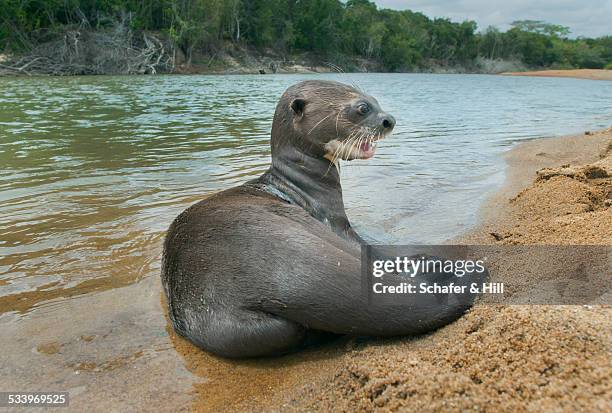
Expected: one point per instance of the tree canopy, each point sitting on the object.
(399, 40)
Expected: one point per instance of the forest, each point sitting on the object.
(141, 36)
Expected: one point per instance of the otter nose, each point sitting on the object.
(388, 122)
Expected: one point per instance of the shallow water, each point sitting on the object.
(95, 168)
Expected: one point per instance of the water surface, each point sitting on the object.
(95, 168)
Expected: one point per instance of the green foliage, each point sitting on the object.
(333, 29)
(400, 53)
(541, 45)
(540, 27)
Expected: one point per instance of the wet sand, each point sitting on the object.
(113, 349)
(109, 350)
(593, 74)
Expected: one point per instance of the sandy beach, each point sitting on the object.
(592, 74)
(118, 351)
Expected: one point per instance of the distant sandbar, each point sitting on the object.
(593, 74)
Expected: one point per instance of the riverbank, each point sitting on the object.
(155, 54)
(123, 52)
(592, 74)
(545, 358)
(231, 59)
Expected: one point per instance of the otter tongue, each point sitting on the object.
(366, 146)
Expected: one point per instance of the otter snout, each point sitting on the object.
(387, 121)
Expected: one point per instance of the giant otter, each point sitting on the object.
(260, 269)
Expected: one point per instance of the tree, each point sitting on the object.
(316, 25)
(540, 27)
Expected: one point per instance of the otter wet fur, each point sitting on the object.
(263, 268)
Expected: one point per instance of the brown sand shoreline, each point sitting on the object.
(592, 74)
(515, 358)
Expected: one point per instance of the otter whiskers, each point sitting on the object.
(318, 123)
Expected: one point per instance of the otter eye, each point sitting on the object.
(363, 108)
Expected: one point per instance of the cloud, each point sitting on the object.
(589, 18)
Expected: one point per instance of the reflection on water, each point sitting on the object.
(95, 168)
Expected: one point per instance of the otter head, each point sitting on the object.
(329, 120)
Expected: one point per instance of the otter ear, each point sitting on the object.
(298, 106)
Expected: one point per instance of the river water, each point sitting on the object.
(95, 168)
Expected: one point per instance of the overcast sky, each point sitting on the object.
(590, 18)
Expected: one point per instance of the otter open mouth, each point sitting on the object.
(363, 147)
(368, 149)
